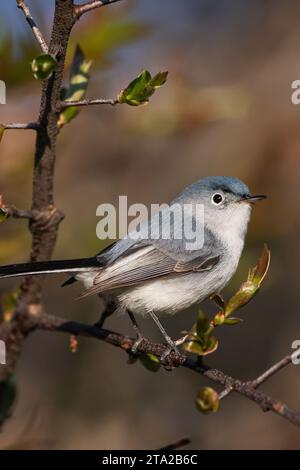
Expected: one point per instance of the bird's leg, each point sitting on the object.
(170, 342)
(110, 308)
(104, 315)
(139, 335)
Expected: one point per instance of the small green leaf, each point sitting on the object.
(3, 215)
(139, 91)
(135, 93)
(203, 326)
(232, 321)
(258, 273)
(78, 83)
(8, 395)
(251, 287)
(2, 129)
(159, 79)
(9, 300)
(150, 362)
(8, 303)
(219, 319)
(200, 340)
(144, 77)
(207, 400)
(201, 348)
(43, 66)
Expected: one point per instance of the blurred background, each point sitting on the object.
(225, 110)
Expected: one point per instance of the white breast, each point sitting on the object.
(173, 295)
(170, 296)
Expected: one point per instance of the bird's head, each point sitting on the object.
(227, 202)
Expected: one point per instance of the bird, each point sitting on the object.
(152, 276)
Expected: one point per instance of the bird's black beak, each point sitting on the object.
(253, 199)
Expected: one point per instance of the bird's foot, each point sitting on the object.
(137, 342)
(166, 359)
(139, 335)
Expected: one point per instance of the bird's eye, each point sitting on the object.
(217, 198)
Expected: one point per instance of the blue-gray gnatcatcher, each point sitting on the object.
(153, 275)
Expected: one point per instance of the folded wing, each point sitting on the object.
(146, 263)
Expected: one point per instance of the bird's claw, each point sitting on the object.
(136, 344)
(166, 360)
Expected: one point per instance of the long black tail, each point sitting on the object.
(48, 267)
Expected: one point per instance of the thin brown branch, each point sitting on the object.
(37, 33)
(42, 219)
(86, 102)
(184, 441)
(264, 376)
(91, 5)
(19, 125)
(16, 213)
(247, 389)
(44, 229)
(225, 392)
(44, 226)
(272, 371)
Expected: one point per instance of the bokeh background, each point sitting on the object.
(226, 109)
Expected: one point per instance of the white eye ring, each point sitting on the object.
(217, 199)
